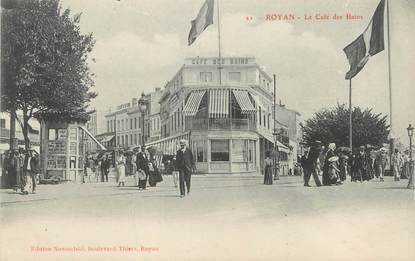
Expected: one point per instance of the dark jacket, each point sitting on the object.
(184, 160)
(142, 162)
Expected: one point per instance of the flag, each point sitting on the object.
(203, 20)
(369, 43)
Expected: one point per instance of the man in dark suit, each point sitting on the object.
(142, 164)
(311, 164)
(185, 164)
(31, 167)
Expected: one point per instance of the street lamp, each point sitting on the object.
(142, 103)
(410, 130)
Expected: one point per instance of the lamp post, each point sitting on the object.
(410, 130)
(142, 103)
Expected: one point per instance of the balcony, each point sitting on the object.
(220, 124)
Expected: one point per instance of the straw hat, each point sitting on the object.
(333, 159)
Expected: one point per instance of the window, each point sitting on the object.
(268, 121)
(260, 118)
(135, 139)
(131, 124)
(122, 140)
(118, 140)
(2, 123)
(219, 150)
(108, 126)
(206, 77)
(200, 149)
(240, 150)
(135, 123)
(235, 76)
(118, 125)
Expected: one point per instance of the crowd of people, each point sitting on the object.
(20, 170)
(142, 164)
(336, 164)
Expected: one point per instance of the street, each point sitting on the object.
(232, 217)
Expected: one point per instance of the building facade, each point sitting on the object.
(126, 125)
(225, 113)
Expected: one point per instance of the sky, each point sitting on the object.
(141, 44)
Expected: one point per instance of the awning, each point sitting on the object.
(218, 103)
(281, 147)
(93, 138)
(192, 105)
(107, 138)
(244, 102)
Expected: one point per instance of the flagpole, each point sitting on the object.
(390, 83)
(350, 116)
(219, 47)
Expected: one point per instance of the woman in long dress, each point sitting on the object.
(268, 169)
(121, 169)
(330, 153)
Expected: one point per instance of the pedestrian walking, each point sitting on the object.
(405, 165)
(311, 167)
(121, 169)
(360, 166)
(142, 165)
(185, 164)
(268, 162)
(396, 164)
(381, 161)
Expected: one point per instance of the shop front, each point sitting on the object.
(225, 151)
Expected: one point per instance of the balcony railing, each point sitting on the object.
(220, 124)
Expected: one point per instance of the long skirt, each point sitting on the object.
(405, 171)
(121, 173)
(268, 175)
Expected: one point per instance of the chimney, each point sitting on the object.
(157, 89)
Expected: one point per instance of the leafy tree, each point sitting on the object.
(44, 61)
(332, 125)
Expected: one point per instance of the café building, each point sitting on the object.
(225, 112)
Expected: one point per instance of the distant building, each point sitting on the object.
(125, 124)
(34, 134)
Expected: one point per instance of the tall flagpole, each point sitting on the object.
(219, 48)
(350, 116)
(392, 145)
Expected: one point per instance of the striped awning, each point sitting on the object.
(218, 103)
(192, 105)
(242, 97)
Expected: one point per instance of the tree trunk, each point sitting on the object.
(25, 131)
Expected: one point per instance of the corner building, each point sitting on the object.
(225, 113)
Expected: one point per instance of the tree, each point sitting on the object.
(44, 61)
(332, 125)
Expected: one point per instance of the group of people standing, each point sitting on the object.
(147, 172)
(20, 169)
(336, 164)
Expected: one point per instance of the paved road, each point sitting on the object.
(224, 218)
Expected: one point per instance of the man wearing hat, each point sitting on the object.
(381, 161)
(312, 164)
(142, 164)
(185, 164)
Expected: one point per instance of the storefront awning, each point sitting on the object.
(192, 105)
(244, 102)
(93, 138)
(107, 138)
(218, 103)
(281, 147)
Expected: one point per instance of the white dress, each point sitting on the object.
(121, 169)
